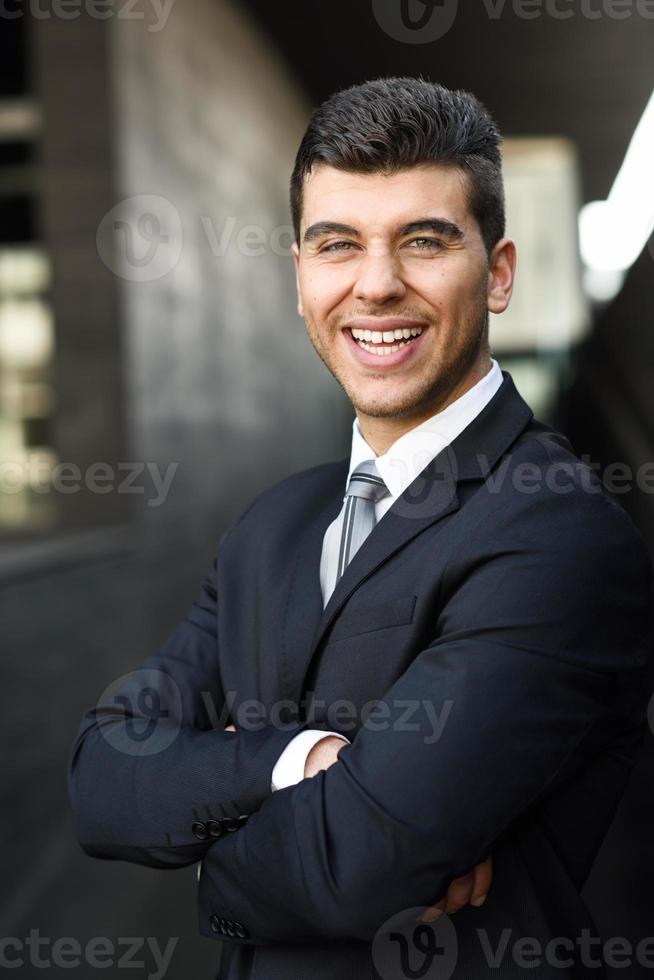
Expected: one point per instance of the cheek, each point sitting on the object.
(434, 281)
(323, 289)
(449, 295)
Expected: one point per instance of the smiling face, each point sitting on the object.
(401, 253)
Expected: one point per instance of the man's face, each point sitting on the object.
(408, 256)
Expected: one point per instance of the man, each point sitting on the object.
(447, 664)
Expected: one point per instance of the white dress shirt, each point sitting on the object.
(398, 467)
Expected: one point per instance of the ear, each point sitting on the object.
(501, 274)
(296, 260)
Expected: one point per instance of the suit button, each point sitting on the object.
(242, 818)
(200, 830)
(223, 926)
(241, 931)
(230, 824)
(231, 931)
(215, 828)
(214, 922)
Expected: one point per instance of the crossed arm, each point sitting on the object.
(528, 647)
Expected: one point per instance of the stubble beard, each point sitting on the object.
(416, 397)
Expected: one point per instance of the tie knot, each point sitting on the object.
(366, 482)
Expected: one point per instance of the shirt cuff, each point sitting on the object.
(289, 768)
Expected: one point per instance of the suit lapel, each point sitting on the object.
(431, 497)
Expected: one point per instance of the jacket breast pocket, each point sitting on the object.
(370, 617)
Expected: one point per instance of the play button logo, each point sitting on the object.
(415, 21)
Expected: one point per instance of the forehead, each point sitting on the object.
(385, 200)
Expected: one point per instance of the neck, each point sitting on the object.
(380, 432)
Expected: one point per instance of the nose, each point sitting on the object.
(378, 279)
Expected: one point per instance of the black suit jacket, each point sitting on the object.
(488, 654)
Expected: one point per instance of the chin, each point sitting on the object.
(385, 407)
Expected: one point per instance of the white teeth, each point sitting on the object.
(386, 336)
(381, 351)
(405, 335)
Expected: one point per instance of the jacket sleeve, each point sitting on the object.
(537, 642)
(152, 777)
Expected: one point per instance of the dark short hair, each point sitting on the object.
(387, 124)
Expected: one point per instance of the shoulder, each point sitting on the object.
(549, 478)
(316, 480)
(549, 506)
(551, 561)
(287, 494)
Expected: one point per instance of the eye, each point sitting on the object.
(336, 247)
(427, 244)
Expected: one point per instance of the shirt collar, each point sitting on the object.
(408, 456)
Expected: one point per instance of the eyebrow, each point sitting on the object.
(448, 229)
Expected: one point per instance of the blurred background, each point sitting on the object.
(154, 373)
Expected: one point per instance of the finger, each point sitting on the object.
(472, 888)
(483, 875)
(459, 893)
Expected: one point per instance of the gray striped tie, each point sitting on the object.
(364, 489)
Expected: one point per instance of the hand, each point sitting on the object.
(471, 888)
(230, 728)
(323, 755)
